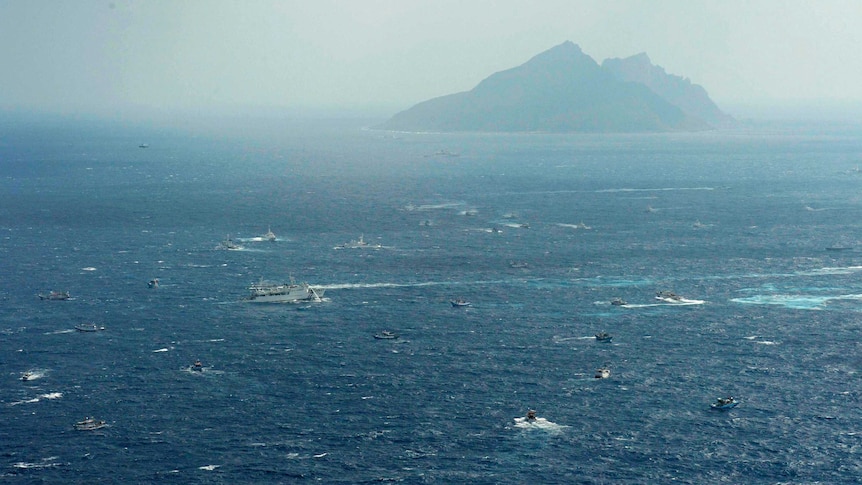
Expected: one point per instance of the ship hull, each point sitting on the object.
(285, 294)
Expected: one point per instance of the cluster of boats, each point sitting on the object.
(231, 245)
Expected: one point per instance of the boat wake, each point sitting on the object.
(50, 396)
(351, 286)
(559, 340)
(681, 302)
(540, 424)
(580, 225)
(45, 463)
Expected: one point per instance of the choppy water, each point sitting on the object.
(739, 223)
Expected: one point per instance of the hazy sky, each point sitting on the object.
(109, 55)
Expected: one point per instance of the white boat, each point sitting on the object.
(460, 302)
(386, 335)
(153, 283)
(618, 302)
(27, 376)
(90, 424)
(269, 236)
(358, 244)
(55, 295)
(267, 292)
(88, 327)
(603, 373)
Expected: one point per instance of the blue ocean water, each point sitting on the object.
(758, 228)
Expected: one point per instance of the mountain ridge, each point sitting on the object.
(565, 90)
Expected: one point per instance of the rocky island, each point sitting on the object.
(564, 90)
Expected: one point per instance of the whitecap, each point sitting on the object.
(161, 350)
(321, 455)
(88, 268)
(208, 467)
(52, 395)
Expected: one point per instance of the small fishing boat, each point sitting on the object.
(604, 337)
(197, 366)
(153, 283)
(27, 376)
(90, 424)
(459, 302)
(88, 327)
(55, 295)
(618, 302)
(386, 335)
(603, 373)
(724, 403)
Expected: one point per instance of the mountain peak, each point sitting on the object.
(564, 90)
(568, 51)
(677, 90)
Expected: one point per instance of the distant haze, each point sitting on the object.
(106, 57)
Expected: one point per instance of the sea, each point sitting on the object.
(757, 229)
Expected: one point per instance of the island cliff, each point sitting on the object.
(564, 90)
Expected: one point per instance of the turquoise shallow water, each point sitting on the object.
(738, 222)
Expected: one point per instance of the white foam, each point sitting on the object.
(539, 424)
(50, 395)
(160, 350)
(574, 226)
(88, 268)
(208, 467)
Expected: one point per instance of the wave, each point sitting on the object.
(430, 207)
(797, 302)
